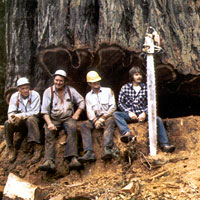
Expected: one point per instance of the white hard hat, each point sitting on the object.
(61, 73)
(92, 77)
(22, 81)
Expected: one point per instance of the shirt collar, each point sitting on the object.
(99, 91)
(54, 89)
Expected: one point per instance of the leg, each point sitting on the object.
(121, 119)
(108, 132)
(33, 130)
(108, 139)
(49, 158)
(34, 137)
(71, 146)
(162, 137)
(86, 135)
(71, 151)
(50, 140)
(9, 134)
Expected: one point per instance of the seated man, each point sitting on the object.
(100, 104)
(23, 111)
(132, 102)
(58, 111)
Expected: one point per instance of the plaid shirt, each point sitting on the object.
(128, 100)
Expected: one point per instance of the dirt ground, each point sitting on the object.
(164, 176)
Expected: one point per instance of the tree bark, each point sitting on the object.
(44, 35)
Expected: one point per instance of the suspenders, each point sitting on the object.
(18, 100)
(52, 96)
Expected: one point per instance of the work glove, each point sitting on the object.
(99, 123)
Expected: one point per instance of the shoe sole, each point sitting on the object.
(172, 149)
(85, 161)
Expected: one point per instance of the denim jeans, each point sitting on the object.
(122, 118)
(87, 127)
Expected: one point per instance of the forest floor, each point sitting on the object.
(164, 176)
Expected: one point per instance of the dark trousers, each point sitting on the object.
(27, 127)
(87, 127)
(50, 139)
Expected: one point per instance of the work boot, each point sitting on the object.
(127, 137)
(107, 154)
(12, 154)
(74, 164)
(37, 153)
(48, 165)
(89, 156)
(168, 148)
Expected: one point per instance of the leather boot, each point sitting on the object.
(12, 154)
(48, 165)
(168, 148)
(107, 154)
(37, 153)
(89, 156)
(74, 164)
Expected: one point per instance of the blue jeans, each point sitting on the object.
(122, 118)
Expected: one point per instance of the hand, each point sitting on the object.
(18, 119)
(75, 116)
(132, 115)
(99, 123)
(142, 117)
(12, 119)
(52, 127)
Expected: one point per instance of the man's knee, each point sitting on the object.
(85, 125)
(32, 119)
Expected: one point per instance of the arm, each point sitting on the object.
(122, 99)
(79, 100)
(49, 123)
(76, 115)
(112, 105)
(123, 105)
(45, 110)
(12, 108)
(90, 112)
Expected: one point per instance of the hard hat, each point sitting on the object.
(92, 77)
(61, 72)
(22, 81)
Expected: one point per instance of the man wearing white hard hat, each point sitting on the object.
(23, 112)
(58, 112)
(100, 104)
